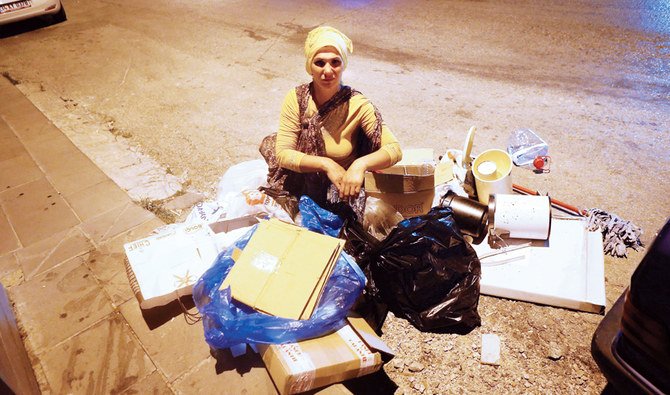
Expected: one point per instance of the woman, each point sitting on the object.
(329, 133)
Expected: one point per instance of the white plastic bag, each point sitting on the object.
(252, 202)
(206, 212)
(242, 176)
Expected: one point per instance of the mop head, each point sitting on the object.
(618, 234)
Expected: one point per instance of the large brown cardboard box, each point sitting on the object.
(352, 351)
(409, 186)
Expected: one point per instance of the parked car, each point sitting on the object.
(632, 343)
(14, 11)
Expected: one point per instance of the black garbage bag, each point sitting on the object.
(423, 271)
(361, 245)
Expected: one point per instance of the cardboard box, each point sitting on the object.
(408, 204)
(409, 186)
(162, 266)
(283, 269)
(353, 351)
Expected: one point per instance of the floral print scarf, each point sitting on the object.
(310, 141)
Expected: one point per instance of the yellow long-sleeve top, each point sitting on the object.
(339, 131)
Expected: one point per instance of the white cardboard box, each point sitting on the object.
(164, 266)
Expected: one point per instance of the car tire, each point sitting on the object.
(60, 16)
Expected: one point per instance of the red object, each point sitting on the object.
(538, 162)
(555, 202)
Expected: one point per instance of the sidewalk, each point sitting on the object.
(63, 224)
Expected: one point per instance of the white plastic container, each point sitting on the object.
(520, 216)
(492, 169)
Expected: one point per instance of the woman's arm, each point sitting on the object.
(287, 135)
(386, 156)
(353, 178)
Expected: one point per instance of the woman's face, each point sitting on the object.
(327, 68)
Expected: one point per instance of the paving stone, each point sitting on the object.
(36, 211)
(175, 347)
(244, 374)
(107, 262)
(54, 250)
(18, 170)
(8, 267)
(8, 239)
(26, 120)
(50, 146)
(74, 175)
(152, 384)
(106, 225)
(10, 145)
(104, 359)
(59, 303)
(102, 196)
(9, 94)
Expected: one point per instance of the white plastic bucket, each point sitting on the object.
(492, 169)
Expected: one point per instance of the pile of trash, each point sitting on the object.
(297, 287)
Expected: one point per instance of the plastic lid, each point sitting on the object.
(487, 168)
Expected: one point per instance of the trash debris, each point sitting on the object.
(524, 146)
(424, 271)
(164, 266)
(568, 270)
(618, 234)
(352, 351)
(380, 217)
(555, 351)
(227, 322)
(492, 171)
(490, 349)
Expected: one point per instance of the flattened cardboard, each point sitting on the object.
(353, 351)
(283, 269)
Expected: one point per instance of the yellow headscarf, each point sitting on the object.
(326, 36)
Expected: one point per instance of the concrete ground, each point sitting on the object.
(165, 96)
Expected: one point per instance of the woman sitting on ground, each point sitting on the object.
(329, 134)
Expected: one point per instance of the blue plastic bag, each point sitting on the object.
(228, 322)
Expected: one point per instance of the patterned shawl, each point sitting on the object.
(310, 141)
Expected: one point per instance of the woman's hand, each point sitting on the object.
(352, 180)
(334, 171)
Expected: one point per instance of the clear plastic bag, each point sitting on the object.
(228, 323)
(380, 217)
(524, 146)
